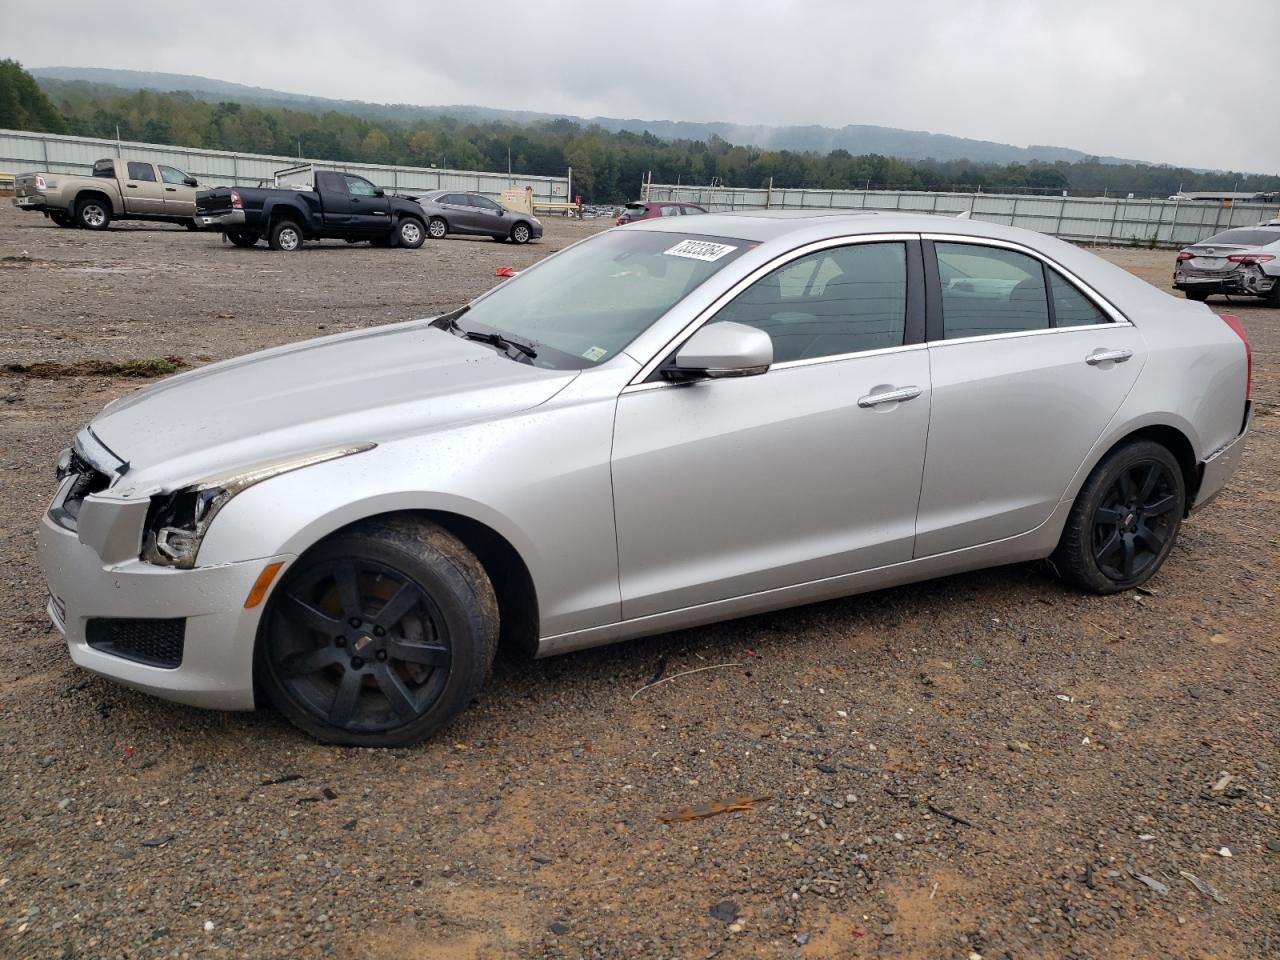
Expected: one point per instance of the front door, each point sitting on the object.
(729, 487)
(1027, 371)
(490, 218)
(179, 197)
(142, 190)
(370, 213)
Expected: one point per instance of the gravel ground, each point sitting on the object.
(988, 764)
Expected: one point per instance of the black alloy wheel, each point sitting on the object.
(1125, 519)
(379, 636)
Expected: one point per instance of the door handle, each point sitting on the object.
(132, 186)
(901, 395)
(170, 189)
(1118, 356)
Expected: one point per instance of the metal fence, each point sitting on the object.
(21, 151)
(1112, 220)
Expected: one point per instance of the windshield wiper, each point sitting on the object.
(499, 341)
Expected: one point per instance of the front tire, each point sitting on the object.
(93, 213)
(521, 233)
(286, 235)
(380, 635)
(410, 233)
(1124, 521)
(437, 229)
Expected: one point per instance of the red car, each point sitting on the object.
(648, 209)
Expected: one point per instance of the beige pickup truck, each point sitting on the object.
(118, 190)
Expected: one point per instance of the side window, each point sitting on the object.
(457, 199)
(671, 211)
(359, 186)
(104, 168)
(141, 171)
(484, 203)
(1071, 308)
(837, 301)
(172, 175)
(989, 290)
(691, 210)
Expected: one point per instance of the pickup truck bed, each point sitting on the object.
(342, 206)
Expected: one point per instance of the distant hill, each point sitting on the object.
(857, 138)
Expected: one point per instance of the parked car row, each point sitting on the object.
(311, 205)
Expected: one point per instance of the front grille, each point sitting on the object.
(157, 643)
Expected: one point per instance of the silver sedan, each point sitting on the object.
(664, 425)
(1244, 261)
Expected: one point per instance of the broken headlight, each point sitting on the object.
(177, 522)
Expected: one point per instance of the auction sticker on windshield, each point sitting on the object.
(700, 250)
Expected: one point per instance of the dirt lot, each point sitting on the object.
(974, 765)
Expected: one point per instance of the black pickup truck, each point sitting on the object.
(339, 206)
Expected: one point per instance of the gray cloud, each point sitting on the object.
(1162, 80)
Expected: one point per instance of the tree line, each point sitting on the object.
(607, 166)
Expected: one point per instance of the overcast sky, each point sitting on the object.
(1192, 83)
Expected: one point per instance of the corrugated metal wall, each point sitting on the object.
(21, 151)
(1165, 223)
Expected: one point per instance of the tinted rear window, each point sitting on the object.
(1245, 238)
(636, 208)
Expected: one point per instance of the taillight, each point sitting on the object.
(1184, 255)
(1250, 257)
(235, 200)
(1234, 323)
(41, 183)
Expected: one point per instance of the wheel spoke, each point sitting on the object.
(1149, 536)
(405, 599)
(301, 664)
(1110, 515)
(426, 654)
(1109, 546)
(344, 701)
(1149, 482)
(304, 613)
(344, 577)
(1126, 565)
(1163, 505)
(1127, 488)
(395, 691)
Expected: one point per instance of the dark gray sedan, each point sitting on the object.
(452, 211)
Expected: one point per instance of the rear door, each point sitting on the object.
(179, 197)
(370, 213)
(1028, 368)
(811, 470)
(142, 190)
(458, 212)
(335, 200)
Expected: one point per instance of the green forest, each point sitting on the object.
(607, 166)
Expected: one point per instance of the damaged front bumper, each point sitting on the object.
(183, 635)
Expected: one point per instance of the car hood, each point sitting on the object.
(366, 386)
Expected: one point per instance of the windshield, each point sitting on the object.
(583, 306)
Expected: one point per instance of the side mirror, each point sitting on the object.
(379, 192)
(190, 181)
(725, 349)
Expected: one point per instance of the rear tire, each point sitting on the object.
(286, 235)
(1124, 521)
(1199, 296)
(437, 229)
(93, 213)
(379, 636)
(241, 239)
(1273, 295)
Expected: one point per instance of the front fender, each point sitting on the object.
(539, 479)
